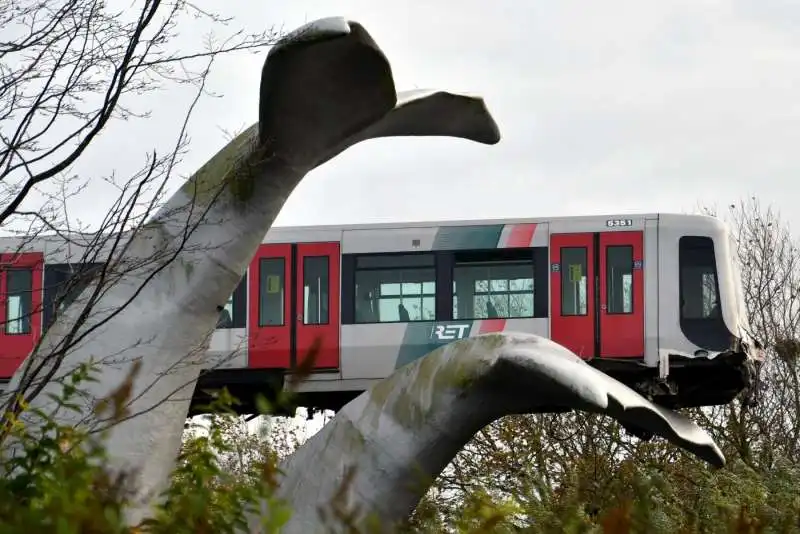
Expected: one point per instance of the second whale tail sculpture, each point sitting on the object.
(385, 447)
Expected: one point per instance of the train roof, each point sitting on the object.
(48, 240)
(490, 221)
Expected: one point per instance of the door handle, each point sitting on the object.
(299, 318)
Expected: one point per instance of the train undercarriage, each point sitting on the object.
(690, 383)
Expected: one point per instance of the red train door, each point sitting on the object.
(572, 292)
(621, 295)
(20, 308)
(318, 302)
(294, 300)
(269, 316)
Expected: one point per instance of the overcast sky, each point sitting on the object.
(604, 107)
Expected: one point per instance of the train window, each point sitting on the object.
(271, 288)
(315, 290)
(699, 292)
(225, 319)
(19, 302)
(63, 283)
(619, 279)
(574, 268)
(493, 287)
(234, 313)
(395, 288)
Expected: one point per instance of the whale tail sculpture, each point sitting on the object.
(387, 446)
(324, 88)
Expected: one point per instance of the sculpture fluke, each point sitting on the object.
(399, 435)
(429, 112)
(348, 67)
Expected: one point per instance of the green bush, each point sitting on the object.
(60, 481)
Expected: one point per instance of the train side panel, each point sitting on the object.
(374, 351)
(388, 268)
(698, 307)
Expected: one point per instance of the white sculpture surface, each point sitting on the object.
(324, 88)
(392, 441)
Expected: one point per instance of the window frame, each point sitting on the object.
(562, 283)
(709, 333)
(284, 311)
(236, 306)
(58, 276)
(497, 258)
(442, 262)
(327, 272)
(356, 269)
(608, 285)
(26, 318)
(683, 249)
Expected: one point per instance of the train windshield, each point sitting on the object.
(700, 313)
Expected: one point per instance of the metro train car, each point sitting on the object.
(654, 300)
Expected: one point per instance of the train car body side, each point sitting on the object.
(653, 300)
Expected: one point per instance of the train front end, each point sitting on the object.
(706, 352)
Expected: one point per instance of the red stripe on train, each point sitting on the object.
(521, 235)
(492, 325)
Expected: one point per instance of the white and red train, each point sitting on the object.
(654, 300)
